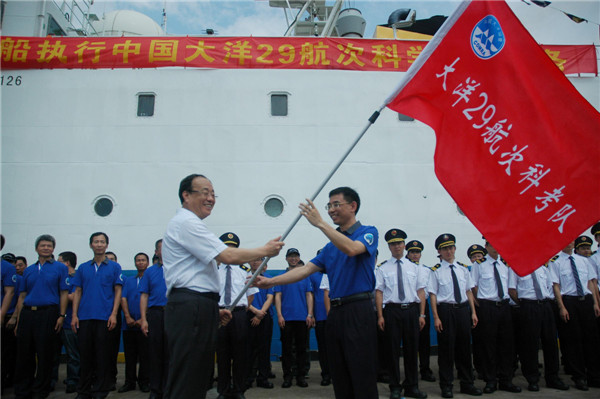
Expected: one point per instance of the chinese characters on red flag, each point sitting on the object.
(240, 52)
(517, 145)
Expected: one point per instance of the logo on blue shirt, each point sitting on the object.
(67, 281)
(369, 238)
(487, 38)
(121, 277)
(14, 278)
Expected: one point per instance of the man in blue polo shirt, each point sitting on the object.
(153, 298)
(95, 305)
(69, 338)
(349, 260)
(8, 293)
(40, 315)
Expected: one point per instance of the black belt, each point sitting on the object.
(236, 309)
(455, 305)
(534, 301)
(335, 302)
(39, 307)
(161, 308)
(210, 295)
(576, 298)
(401, 305)
(497, 303)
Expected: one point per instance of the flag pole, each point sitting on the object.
(372, 120)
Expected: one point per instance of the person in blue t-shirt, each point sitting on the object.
(69, 338)
(8, 301)
(135, 343)
(349, 261)
(40, 316)
(95, 306)
(320, 314)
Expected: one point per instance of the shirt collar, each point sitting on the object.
(351, 230)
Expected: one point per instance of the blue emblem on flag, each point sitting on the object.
(369, 238)
(487, 38)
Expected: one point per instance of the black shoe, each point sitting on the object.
(509, 388)
(470, 390)
(533, 387)
(264, 384)
(396, 393)
(383, 378)
(71, 388)
(558, 384)
(326, 382)
(301, 382)
(594, 383)
(581, 385)
(222, 397)
(428, 377)
(113, 387)
(145, 388)
(154, 395)
(414, 393)
(447, 392)
(237, 396)
(490, 387)
(127, 387)
(287, 383)
(272, 375)
(82, 396)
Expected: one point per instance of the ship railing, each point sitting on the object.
(77, 13)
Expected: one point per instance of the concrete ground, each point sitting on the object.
(316, 391)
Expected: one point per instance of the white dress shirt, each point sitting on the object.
(414, 277)
(239, 277)
(441, 285)
(562, 273)
(524, 285)
(485, 279)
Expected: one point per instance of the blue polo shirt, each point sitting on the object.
(153, 283)
(261, 297)
(132, 293)
(293, 299)
(13, 303)
(8, 279)
(98, 288)
(350, 275)
(43, 283)
(320, 312)
(67, 323)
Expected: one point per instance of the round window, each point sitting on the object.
(274, 207)
(103, 206)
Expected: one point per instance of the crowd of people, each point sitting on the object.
(190, 303)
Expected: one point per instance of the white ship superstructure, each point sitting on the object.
(87, 150)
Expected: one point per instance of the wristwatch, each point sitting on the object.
(62, 315)
(422, 315)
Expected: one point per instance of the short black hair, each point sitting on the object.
(21, 258)
(45, 237)
(141, 253)
(156, 244)
(186, 184)
(349, 194)
(111, 253)
(69, 257)
(98, 233)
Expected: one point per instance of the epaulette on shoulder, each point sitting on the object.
(434, 268)
(503, 261)
(385, 261)
(462, 264)
(480, 261)
(412, 261)
(554, 258)
(244, 267)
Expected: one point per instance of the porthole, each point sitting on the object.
(273, 206)
(103, 206)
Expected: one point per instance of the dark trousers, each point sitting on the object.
(382, 350)
(35, 338)
(9, 354)
(114, 344)
(536, 321)
(191, 323)
(495, 330)
(454, 344)
(320, 328)
(70, 342)
(293, 336)
(135, 346)
(96, 352)
(402, 336)
(352, 349)
(582, 355)
(259, 349)
(425, 343)
(158, 351)
(232, 354)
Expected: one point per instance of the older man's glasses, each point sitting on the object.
(205, 193)
(335, 205)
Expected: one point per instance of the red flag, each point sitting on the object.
(517, 145)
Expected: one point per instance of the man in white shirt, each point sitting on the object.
(190, 254)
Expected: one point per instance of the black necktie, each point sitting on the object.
(228, 286)
(457, 296)
(401, 294)
(498, 281)
(536, 287)
(576, 277)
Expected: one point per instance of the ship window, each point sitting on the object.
(145, 105)
(405, 118)
(103, 206)
(273, 206)
(279, 104)
(54, 28)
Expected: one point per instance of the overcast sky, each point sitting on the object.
(257, 18)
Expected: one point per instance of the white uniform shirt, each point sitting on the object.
(485, 279)
(524, 285)
(562, 273)
(441, 285)
(189, 250)
(238, 281)
(414, 277)
(595, 261)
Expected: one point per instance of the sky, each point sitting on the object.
(257, 18)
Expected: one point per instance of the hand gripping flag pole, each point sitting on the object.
(372, 120)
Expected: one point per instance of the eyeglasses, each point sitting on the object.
(335, 205)
(204, 193)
